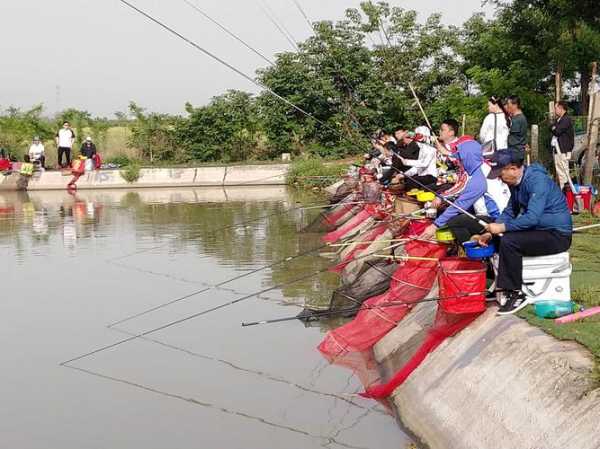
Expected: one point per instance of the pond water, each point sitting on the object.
(74, 263)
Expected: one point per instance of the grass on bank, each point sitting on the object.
(585, 284)
(315, 172)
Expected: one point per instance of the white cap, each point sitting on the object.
(88, 138)
(423, 130)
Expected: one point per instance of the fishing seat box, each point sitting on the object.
(545, 278)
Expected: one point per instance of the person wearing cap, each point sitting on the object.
(536, 222)
(471, 159)
(407, 148)
(88, 148)
(65, 138)
(37, 152)
(417, 162)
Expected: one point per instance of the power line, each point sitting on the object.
(280, 27)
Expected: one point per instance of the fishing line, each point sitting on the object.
(216, 286)
(229, 32)
(310, 25)
(204, 312)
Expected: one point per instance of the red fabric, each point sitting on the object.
(97, 161)
(411, 282)
(445, 326)
(78, 168)
(459, 276)
(334, 236)
(368, 239)
(5, 164)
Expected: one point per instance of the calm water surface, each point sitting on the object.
(73, 264)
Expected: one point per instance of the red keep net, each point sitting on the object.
(350, 345)
(446, 325)
(462, 281)
(368, 238)
(334, 236)
(341, 209)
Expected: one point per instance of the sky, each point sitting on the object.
(99, 55)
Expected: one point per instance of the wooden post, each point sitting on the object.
(551, 111)
(535, 143)
(558, 83)
(592, 90)
(464, 124)
(594, 128)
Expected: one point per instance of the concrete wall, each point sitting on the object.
(249, 175)
(499, 384)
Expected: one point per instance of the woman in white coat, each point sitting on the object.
(495, 128)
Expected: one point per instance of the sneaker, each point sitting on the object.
(515, 301)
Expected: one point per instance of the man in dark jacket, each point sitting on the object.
(536, 222)
(563, 141)
(88, 148)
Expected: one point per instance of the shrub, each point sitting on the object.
(131, 173)
(314, 172)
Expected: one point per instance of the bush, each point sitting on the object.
(131, 173)
(314, 172)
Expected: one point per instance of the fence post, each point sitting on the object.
(551, 110)
(535, 143)
(594, 130)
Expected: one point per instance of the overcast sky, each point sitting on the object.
(98, 55)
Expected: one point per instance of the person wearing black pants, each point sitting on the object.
(536, 222)
(464, 227)
(65, 137)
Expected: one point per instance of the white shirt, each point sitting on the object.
(65, 137)
(486, 134)
(425, 165)
(497, 190)
(35, 151)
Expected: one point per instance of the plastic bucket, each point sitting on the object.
(444, 235)
(462, 281)
(553, 309)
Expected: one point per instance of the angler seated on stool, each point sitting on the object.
(536, 222)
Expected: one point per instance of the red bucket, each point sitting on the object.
(463, 282)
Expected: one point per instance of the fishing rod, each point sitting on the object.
(329, 313)
(286, 34)
(216, 286)
(229, 32)
(206, 311)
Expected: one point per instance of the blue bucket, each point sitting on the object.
(476, 252)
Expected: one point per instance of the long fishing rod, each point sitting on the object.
(216, 286)
(229, 32)
(330, 313)
(206, 311)
(279, 25)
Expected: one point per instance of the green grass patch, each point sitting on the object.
(315, 172)
(131, 173)
(585, 282)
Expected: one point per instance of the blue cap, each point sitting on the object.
(502, 158)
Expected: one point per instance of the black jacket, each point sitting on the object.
(88, 150)
(565, 133)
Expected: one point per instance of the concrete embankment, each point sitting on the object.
(243, 175)
(499, 384)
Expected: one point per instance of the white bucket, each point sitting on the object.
(547, 278)
(89, 165)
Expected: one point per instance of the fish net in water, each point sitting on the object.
(350, 345)
(336, 215)
(375, 280)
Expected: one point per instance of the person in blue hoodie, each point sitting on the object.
(462, 226)
(536, 222)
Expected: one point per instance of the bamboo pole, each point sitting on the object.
(535, 142)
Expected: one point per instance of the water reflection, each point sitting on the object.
(249, 387)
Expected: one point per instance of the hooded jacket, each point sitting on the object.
(537, 203)
(471, 160)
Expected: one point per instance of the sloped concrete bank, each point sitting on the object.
(499, 384)
(242, 175)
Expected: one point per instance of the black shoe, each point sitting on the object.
(515, 301)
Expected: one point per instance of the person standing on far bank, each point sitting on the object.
(563, 141)
(517, 137)
(65, 138)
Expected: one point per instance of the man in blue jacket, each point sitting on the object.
(462, 226)
(536, 222)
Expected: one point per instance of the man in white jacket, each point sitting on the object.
(423, 169)
(37, 152)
